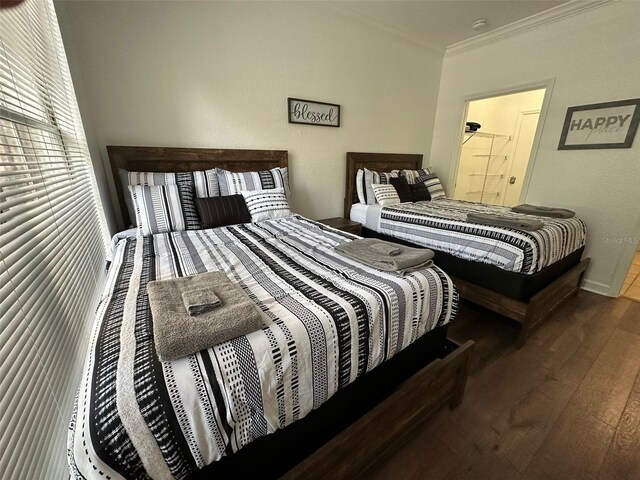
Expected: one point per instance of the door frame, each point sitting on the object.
(547, 84)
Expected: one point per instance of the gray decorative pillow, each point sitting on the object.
(158, 208)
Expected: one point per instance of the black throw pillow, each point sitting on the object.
(419, 192)
(402, 187)
(222, 211)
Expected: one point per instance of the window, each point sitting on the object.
(52, 243)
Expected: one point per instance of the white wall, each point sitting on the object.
(217, 74)
(593, 58)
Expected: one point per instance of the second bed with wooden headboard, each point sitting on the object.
(441, 225)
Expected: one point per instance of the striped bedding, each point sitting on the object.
(328, 321)
(441, 225)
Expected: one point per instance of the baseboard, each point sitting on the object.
(597, 287)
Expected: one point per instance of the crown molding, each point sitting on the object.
(560, 12)
(364, 20)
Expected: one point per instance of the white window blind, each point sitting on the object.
(52, 243)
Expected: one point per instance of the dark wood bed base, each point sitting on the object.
(399, 394)
(358, 449)
(530, 312)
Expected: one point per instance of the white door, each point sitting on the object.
(523, 142)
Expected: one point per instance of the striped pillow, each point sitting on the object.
(365, 178)
(412, 176)
(432, 182)
(206, 184)
(385, 194)
(266, 204)
(232, 183)
(183, 180)
(158, 208)
(222, 211)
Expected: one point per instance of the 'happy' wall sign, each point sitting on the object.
(601, 125)
(314, 113)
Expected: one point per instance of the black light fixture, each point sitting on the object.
(472, 127)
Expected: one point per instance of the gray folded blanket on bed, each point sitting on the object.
(407, 259)
(518, 223)
(543, 211)
(386, 248)
(177, 334)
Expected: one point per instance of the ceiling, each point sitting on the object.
(440, 23)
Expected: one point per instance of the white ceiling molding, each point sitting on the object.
(364, 20)
(565, 10)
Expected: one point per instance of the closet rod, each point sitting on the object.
(487, 134)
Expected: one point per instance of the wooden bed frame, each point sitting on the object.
(529, 314)
(365, 441)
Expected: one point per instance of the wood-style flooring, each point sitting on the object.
(631, 286)
(565, 406)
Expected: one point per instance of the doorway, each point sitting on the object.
(495, 152)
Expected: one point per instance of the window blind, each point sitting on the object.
(52, 243)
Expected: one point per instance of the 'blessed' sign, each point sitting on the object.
(314, 113)
(603, 125)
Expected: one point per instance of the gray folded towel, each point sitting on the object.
(200, 300)
(517, 223)
(385, 248)
(543, 211)
(407, 260)
(177, 334)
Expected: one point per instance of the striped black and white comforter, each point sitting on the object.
(441, 225)
(328, 321)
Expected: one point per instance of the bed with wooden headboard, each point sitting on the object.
(181, 159)
(426, 375)
(379, 162)
(486, 285)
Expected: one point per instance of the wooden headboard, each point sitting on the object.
(171, 159)
(380, 162)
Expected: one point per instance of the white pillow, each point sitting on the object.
(158, 208)
(266, 204)
(385, 194)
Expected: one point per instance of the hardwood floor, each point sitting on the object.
(565, 406)
(631, 286)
